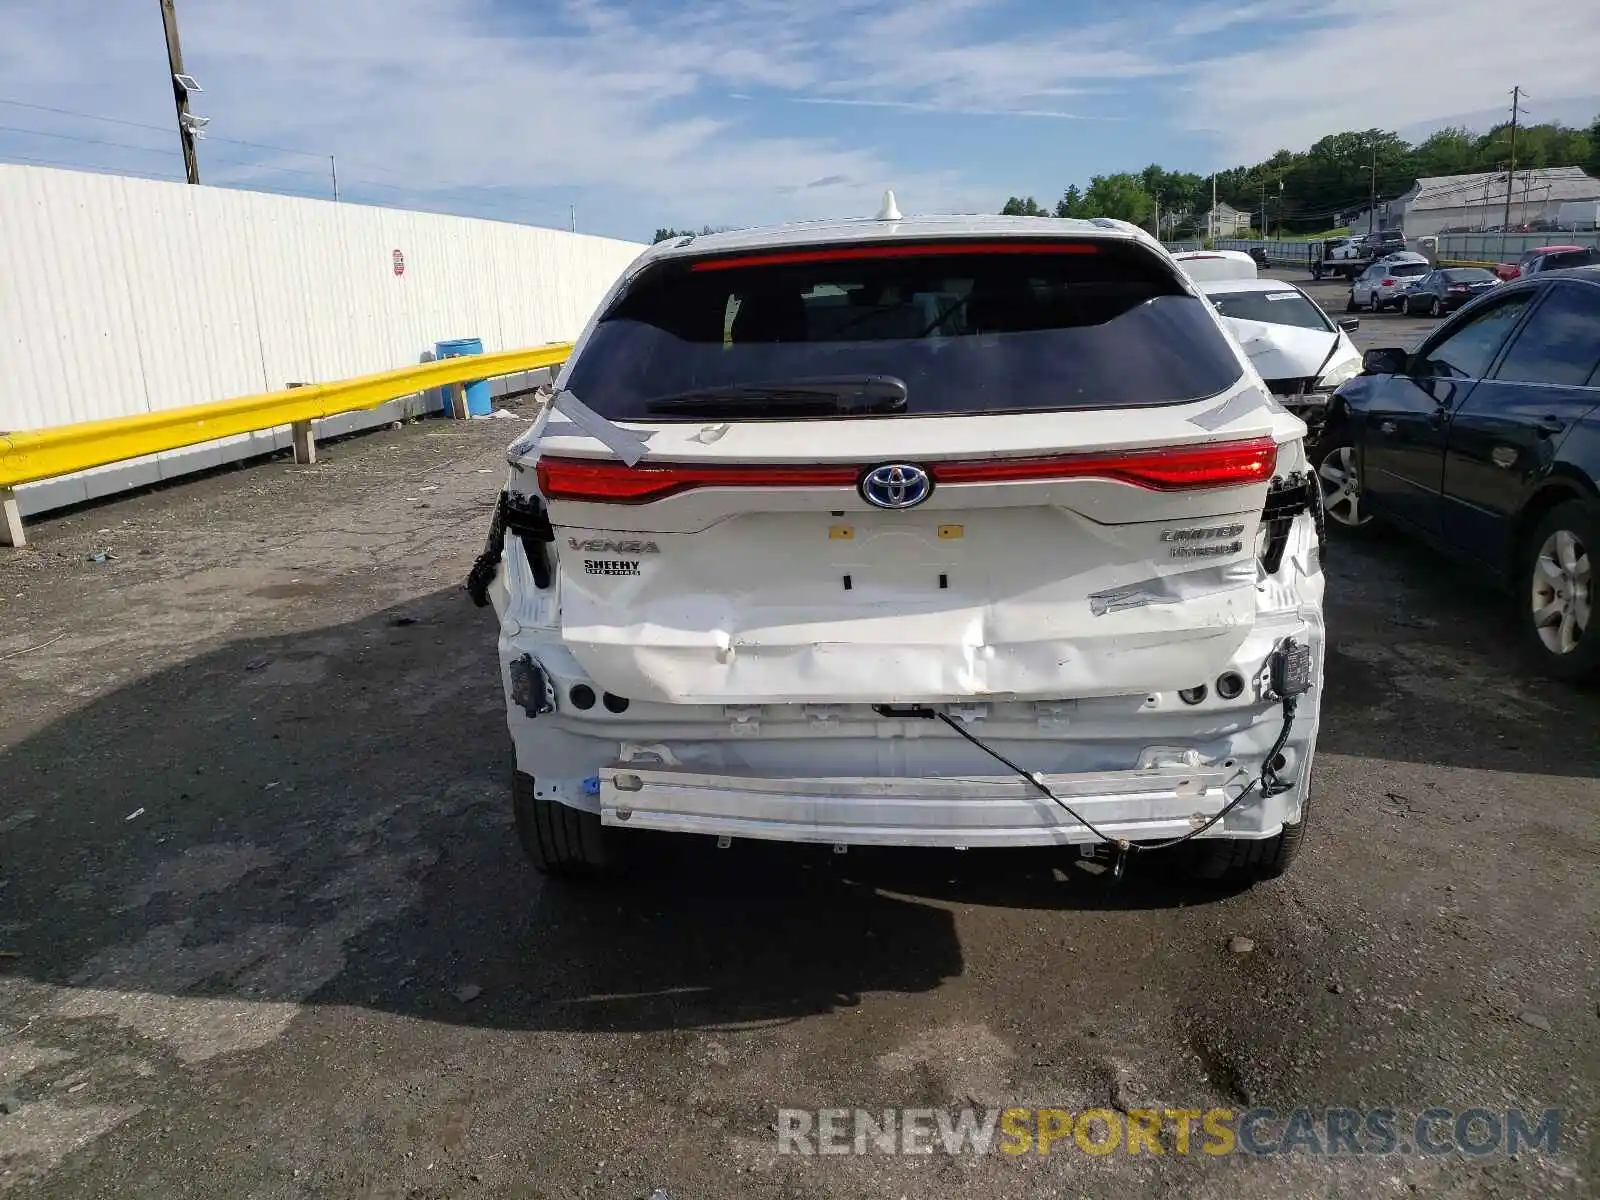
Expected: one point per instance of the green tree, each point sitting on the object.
(1449, 151)
(1071, 203)
(1121, 197)
(1593, 164)
(1016, 207)
(663, 235)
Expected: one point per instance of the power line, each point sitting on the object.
(72, 137)
(54, 162)
(67, 112)
(419, 186)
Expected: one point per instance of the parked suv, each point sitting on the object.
(1547, 258)
(948, 532)
(1385, 284)
(1385, 241)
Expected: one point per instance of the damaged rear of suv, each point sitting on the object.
(948, 532)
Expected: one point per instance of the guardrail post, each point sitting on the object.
(457, 396)
(11, 520)
(305, 442)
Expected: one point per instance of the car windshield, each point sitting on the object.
(1288, 306)
(1569, 258)
(967, 328)
(1467, 275)
(1405, 270)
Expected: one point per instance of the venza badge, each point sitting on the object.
(896, 485)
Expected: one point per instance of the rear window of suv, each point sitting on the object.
(1568, 258)
(968, 327)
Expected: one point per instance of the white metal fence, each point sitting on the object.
(1465, 247)
(122, 295)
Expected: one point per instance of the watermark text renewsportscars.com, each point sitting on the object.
(1158, 1131)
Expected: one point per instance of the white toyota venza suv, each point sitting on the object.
(945, 532)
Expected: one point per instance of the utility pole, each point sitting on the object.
(1263, 208)
(572, 218)
(333, 166)
(1372, 198)
(180, 93)
(1511, 167)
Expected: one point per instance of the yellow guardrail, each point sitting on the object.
(45, 453)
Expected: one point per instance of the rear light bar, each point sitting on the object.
(1168, 469)
(908, 250)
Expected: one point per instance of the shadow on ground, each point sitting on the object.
(1423, 666)
(324, 817)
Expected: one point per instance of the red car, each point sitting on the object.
(1533, 261)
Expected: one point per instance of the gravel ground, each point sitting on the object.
(266, 931)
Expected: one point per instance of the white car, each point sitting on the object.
(1206, 266)
(1300, 352)
(1385, 283)
(943, 532)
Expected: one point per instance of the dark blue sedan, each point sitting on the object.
(1485, 441)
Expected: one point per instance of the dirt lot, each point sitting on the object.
(267, 932)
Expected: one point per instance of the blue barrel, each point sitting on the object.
(478, 402)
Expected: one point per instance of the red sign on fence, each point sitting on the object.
(399, 263)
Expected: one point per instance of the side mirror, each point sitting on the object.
(1389, 360)
(1350, 324)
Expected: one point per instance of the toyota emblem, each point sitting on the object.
(896, 485)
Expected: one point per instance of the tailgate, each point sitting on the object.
(1075, 573)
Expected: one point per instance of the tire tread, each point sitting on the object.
(557, 839)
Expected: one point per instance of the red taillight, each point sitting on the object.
(1388, 283)
(1228, 464)
(908, 250)
(1458, 287)
(606, 481)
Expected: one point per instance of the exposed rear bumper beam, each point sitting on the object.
(976, 811)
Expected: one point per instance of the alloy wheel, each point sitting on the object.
(1562, 592)
(1341, 488)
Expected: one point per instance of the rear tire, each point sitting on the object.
(559, 840)
(1241, 861)
(1557, 590)
(1350, 302)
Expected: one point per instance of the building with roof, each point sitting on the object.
(1443, 203)
(1224, 221)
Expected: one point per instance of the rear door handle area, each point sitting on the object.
(1549, 426)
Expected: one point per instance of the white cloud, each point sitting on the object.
(1365, 64)
(622, 102)
(650, 116)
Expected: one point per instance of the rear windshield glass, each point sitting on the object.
(1404, 269)
(1569, 258)
(966, 327)
(1284, 307)
(1467, 275)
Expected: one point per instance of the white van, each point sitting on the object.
(1214, 266)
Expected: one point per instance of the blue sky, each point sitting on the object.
(663, 112)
